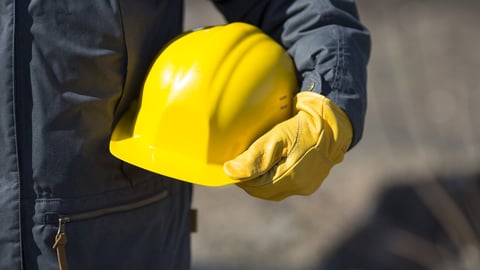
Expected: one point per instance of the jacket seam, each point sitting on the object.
(336, 82)
(125, 75)
(15, 132)
(154, 185)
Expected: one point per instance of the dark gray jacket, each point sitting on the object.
(69, 69)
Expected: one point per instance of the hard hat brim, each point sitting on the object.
(132, 149)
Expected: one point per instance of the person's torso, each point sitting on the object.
(69, 70)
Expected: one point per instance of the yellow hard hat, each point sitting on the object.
(208, 95)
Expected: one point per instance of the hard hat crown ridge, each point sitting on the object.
(207, 97)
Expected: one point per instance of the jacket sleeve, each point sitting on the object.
(327, 41)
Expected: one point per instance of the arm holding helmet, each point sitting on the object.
(330, 48)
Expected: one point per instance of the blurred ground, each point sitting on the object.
(422, 122)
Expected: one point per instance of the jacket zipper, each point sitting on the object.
(61, 236)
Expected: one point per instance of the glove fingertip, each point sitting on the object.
(236, 170)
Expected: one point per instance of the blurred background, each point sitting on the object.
(408, 196)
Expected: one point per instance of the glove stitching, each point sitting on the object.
(307, 151)
(326, 104)
(338, 147)
(297, 136)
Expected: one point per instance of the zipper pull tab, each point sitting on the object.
(61, 242)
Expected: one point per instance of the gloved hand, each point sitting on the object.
(296, 155)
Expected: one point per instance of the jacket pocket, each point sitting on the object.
(62, 220)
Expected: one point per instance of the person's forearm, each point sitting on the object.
(327, 41)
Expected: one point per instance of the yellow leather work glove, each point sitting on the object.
(296, 155)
